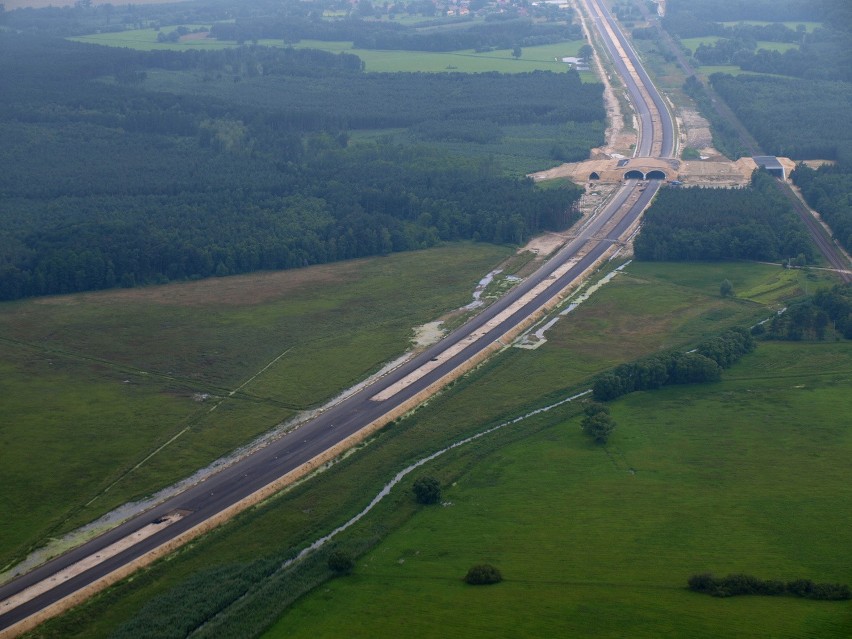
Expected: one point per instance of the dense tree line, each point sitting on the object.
(814, 317)
(822, 55)
(802, 119)
(755, 223)
(82, 18)
(704, 364)
(501, 34)
(339, 204)
(827, 189)
(281, 89)
(696, 18)
(108, 183)
(741, 584)
(825, 53)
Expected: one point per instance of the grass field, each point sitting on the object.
(693, 43)
(539, 58)
(522, 149)
(809, 26)
(95, 383)
(750, 474)
(648, 307)
(781, 47)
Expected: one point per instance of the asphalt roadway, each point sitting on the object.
(648, 132)
(231, 485)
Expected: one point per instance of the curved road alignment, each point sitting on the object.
(656, 125)
(258, 476)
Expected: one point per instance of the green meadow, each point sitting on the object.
(693, 43)
(747, 475)
(809, 26)
(646, 308)
(120, 393)
(538, 58)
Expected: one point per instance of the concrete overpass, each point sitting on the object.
(690, 172)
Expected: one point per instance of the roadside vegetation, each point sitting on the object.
(589, 529)
(754, 223)
(719, 476)
(211, 162)
(660, 306)
(96, 384)
(190, 187)
(796, 106)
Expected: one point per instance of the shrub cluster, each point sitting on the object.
(814, 317)
(598, 423)
(427, 490)
(740, 584)
(702, 365)
(341, 562)
(483, 574)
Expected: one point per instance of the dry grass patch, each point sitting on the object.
(236, 290)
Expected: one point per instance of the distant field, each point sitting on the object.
(809, 26)
(693, 43)
(540, 58)
(725, 68)
(747, 475)
(646, 308)
(39, 4)
(94, 383)
(781, 47)
(146, 40)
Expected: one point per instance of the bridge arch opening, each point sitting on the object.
(634, 175)
(594, 176)
(656, 174)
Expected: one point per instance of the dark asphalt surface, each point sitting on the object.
(259, 469)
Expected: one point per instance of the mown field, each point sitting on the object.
(93, 384)
(537, 58)
(809, 26)
(747, 475)
(648, 307)
(693, 43)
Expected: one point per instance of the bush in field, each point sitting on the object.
(341, 563)
(598, 424)
(741, 584)
(482, 575)
(427, 490)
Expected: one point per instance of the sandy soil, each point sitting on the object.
(428, 334)
(543, 244)
(697, 132)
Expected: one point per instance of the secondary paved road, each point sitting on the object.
(263, 467)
